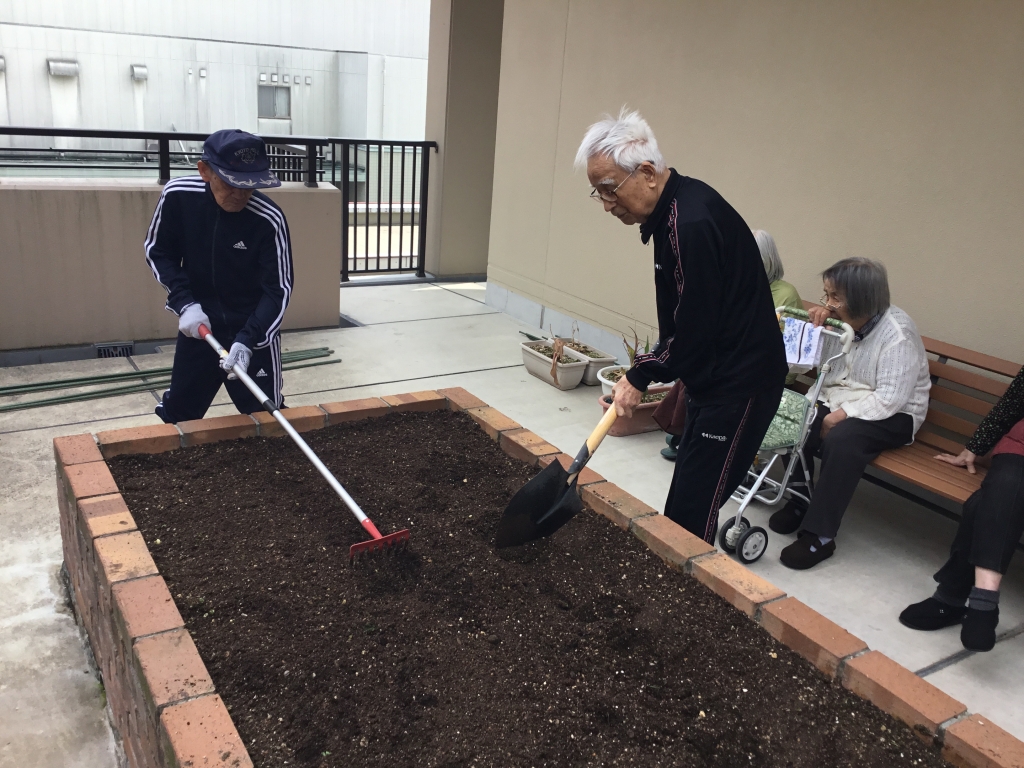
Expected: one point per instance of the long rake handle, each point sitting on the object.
(592, 442)
(268, 406)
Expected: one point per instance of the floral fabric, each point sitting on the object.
(784, 431)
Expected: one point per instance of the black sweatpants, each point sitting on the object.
(845, 453)
(991, 526)
(718, 446)
(196, 376)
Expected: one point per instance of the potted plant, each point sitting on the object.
(642, 419)
(597, 359)
(610, 375)
(552, 362)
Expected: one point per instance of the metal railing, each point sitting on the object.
(383, 183)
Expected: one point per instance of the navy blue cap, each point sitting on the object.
(240, 159)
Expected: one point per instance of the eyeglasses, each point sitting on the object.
(610, 197)
(826, 302)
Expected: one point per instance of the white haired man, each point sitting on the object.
(718, 332)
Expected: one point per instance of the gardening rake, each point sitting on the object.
(378, 542)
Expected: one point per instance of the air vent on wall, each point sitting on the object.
(140, 72)
(62, 67)
(115, 349)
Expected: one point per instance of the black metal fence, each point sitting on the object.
(383, 183)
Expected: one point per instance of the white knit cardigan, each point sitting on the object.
(886, 373)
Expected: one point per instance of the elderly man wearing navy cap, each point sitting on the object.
(222, 252)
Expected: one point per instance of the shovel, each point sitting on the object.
(378, 542)
(549, 500)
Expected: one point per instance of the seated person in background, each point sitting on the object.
(783, 293)
(991, 526)
(874, 398)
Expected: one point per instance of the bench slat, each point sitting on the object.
(940, 443)
(970, 357)
(911, 474)
(923, 460)
(952, 423)
(960, 400)
(967, 379)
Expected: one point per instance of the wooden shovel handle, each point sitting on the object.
(590, 446)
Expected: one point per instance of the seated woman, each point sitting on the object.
(874, 398)
(783, 293)
(991, 526)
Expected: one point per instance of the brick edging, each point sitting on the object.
(145, 654)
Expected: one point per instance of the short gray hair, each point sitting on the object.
(627, 139)
(863, 283)
(769, 255)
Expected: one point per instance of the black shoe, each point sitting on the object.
(798, 555)
(931, 614)
(979, 630)
(788, 519)
(669, 453)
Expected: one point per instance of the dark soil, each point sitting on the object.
(549, 352)
(581, 649)
(583, 349)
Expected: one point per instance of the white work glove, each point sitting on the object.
(238, 354)
(190, 320)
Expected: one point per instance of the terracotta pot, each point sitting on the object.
(642, 419)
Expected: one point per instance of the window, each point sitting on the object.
(275, 101)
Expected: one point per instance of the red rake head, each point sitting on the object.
(389, 543)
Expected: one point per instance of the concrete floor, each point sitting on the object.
(424, 336)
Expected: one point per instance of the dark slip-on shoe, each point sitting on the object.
(931, 614)
(799, 556)
(788, 519)
(978, 632)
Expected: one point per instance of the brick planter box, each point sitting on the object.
(165, 707)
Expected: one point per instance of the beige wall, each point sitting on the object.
(72, 268)
(462, 90)
(882, 129)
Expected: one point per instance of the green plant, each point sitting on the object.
(631, 350)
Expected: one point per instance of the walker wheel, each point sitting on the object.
(751, 544)
(729, 534)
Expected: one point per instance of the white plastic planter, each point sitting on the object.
(606, 383)
(569, 374)
(594, 365)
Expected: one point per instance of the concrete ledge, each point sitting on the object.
(354, 410)
(217, 428)
(154, 439)
(974, 741)
(734, 582)
(617, 505)
(822, 642)
(461, 400)
(898, 691)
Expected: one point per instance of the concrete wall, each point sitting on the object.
(73, 271)
(881, 129)
(462, 93)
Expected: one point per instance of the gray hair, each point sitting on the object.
(863, 283)
(769, 255)
(628, 140)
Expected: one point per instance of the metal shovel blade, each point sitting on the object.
(385, 543)
(539, 508)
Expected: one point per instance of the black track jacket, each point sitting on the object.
(717, 326)
(237, 266)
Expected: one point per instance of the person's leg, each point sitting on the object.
(265, 370)
(998, 526)
(845, 452)
(947, 606)
(718, 446)
(195, 378)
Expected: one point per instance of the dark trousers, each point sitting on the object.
(718, 446)
(196, 376)
(845, 452)
(991, 526)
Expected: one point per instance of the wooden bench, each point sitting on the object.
(959, 398)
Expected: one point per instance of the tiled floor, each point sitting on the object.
(424, 336)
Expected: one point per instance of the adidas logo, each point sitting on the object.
(261, 373)
(241, 246)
